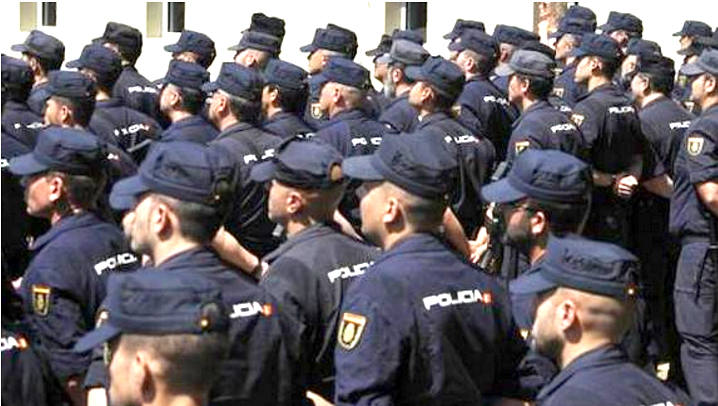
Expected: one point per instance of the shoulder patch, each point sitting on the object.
(694, 144)
(520, 146)
(578, 118)
(456, 110)
(316, 111)
(41, 299)
(350, 330)
(558, 92)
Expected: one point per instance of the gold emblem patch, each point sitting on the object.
(521, 146)
(317, 112)
(350, 330)
(456, 110)
(694, 145)
(577, 118)
(41, 299)
(558, 91)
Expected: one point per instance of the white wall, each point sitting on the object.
(79, 21)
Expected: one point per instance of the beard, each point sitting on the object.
(519, 236)
(389, 87)
(550, 346)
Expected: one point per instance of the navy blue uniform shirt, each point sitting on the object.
(37, 98)
(130, 129)
(664, 122)
(21, 123)
(352, 133)
(565, 87)
(541, 126)
(313, 115)
(309, 275)
(377, 102)
(248, 220)
(485, 110)
(137, 92)
(65, 284)
(285, 125)
(193, 129)
(424, 327)
(695, 163)
(399, 117)
(604, 376)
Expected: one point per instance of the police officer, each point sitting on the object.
(131, 130)
(326, 44)
(622, 27)
(690, 38)
(18, 121)
(44, 53)
(540, 126)
(186, 190)
(255, 49)
(482, 107)
(181, 100)
(438, 85)
(612, 136)
(509, 39)
(585, 302)
(283, 96)
(135, 91)
(194, 47)
(636, 50)
(65, 281)
(310, 273)
(161, 333)
(568, 37)
(693, 219)
(380, 56)
(234, 109)
(273, 26)
(399, 331)
(399, 116)
(460, 25)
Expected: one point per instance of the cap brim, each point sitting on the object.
(74, 64)
(361, 167)
(534, 282)
(173, 48)
(20, 48)
(263, 171)
(414, 73)
(236, 48)
(504, 70)
(578, 53)
(94, 338)
(556, 34)
(691, 69)
(456, 46)
(450, 36)
(210, 87)
(385, 58)
(606, 28)
(308, 48)
(678, 34)
(26, 165)
(684, 51)
(125, 193)
(501, 191)
(374, 52)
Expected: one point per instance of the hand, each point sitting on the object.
(625, 186)
(479, 246)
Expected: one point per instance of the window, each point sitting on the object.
(49, 13)
(28, 15)
(416, 17)
(175, 13)
(405, 16)
(154, 19)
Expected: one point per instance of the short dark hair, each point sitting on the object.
(484, 63)
(83, 190)
(442, 101)
(188, 361)
(292, 100)
(105, 82)
(659, 83)
(245, 110)
(402, 67)
(82, 108)
(563, 218)
(609, 66)
(47, 64)
(192, 99)
(539, 87)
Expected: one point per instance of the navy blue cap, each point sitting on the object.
(332, 40)
(43, 46)
(70, 84)
(581, 13)
(420, 165)
(513, 35)
(238, 80)
(383, 48)
(269, 25)
(477, 41)
(259, 41)
(354, 44)
(302, 164)
(460, 25)
(694, 29)
(128, 39)
(657, 65)
(408, 35)
(528, 62)
(67, 150)
(711, 41)
(155, 304)
(187, 171)
(443, 76)
(186, 74)
(16, 72)
(623, 21)
(706, 63)
(407, 52)
(540, 47)
(581, 264)
(642, 47)
(344, 71)
(196, 42)
(103, 61)
(544, 175)
(285, 75)
(575, 26)
(597, 45)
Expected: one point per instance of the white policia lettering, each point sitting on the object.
(363, 141)
(456, 298)
(621, 110)
(112, 262)
(348, 271)
(249, 309)
(563, 127)
(679, 124)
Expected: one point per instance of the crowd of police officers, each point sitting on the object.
(519, 223)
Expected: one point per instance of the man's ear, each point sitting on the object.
(142, 378)
(392, 211)
(55, 188)
(566, 314)
(539, 223)
(295, 202)
(710, 84)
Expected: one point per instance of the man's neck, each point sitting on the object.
(709, 102)
(536, 252)
(39, 79)
(169, 248)
(165, 399)
(102, 95)
(272, 111)
(226, 122)
(334, 110)
(402, 89)
(572, 351)
(296, 225)
(527, 102)
(425, 111)
(177, 115)
(596, 81)
(645, 100)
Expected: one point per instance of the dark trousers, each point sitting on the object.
(697, 321)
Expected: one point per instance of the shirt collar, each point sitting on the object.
(80, 220)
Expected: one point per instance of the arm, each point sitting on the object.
(346, 226)
(708, 193)
(454, 233)
(660, 185)
(231, 251)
